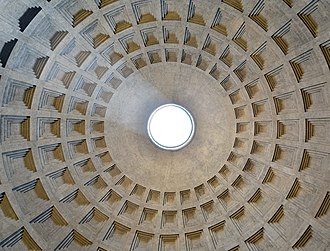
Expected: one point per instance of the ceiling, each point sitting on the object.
(78, 81)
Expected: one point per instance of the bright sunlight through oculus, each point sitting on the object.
(171, 127)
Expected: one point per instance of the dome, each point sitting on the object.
(79, 80)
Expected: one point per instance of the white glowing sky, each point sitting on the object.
(170, 126)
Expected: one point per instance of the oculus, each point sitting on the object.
(171, 127)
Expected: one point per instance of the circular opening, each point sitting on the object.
(171, 127)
